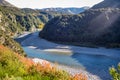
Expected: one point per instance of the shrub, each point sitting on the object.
(115, 73)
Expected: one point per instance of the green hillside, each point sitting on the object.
(94, 27)
(14, 21)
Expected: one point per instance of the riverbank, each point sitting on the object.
(69, 69)
(28, 40)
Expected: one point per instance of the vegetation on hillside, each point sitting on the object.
(71, 10)
(97, 27)
(107, 4)
(16, 67)
(5, 3)
(14, 21)
(9, 42)
(44, 16)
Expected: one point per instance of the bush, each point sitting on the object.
(115, 73)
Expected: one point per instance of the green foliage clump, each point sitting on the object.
(10, 64)
(115, 73)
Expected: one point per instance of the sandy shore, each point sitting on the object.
(59, 51)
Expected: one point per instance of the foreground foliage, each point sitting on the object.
(16, 67)
(115, 73)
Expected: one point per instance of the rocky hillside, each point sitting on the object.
(67, 10)
(10, 43)
(108, 4)
(8, 28)
(14, 21)
(5, 3)
(94, 27)
(44, 16)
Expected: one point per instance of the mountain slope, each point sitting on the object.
(108, 4)
(44, 16)
(14, 21)
(94, 27)
(67, 10)
(5, 3)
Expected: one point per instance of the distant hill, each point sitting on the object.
(108, 4)
(5, 3)
(44, 16)
(94, 27)
(67, 10)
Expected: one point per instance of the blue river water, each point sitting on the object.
(95, 64)
(97, 61)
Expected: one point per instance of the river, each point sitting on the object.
(93, 60)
